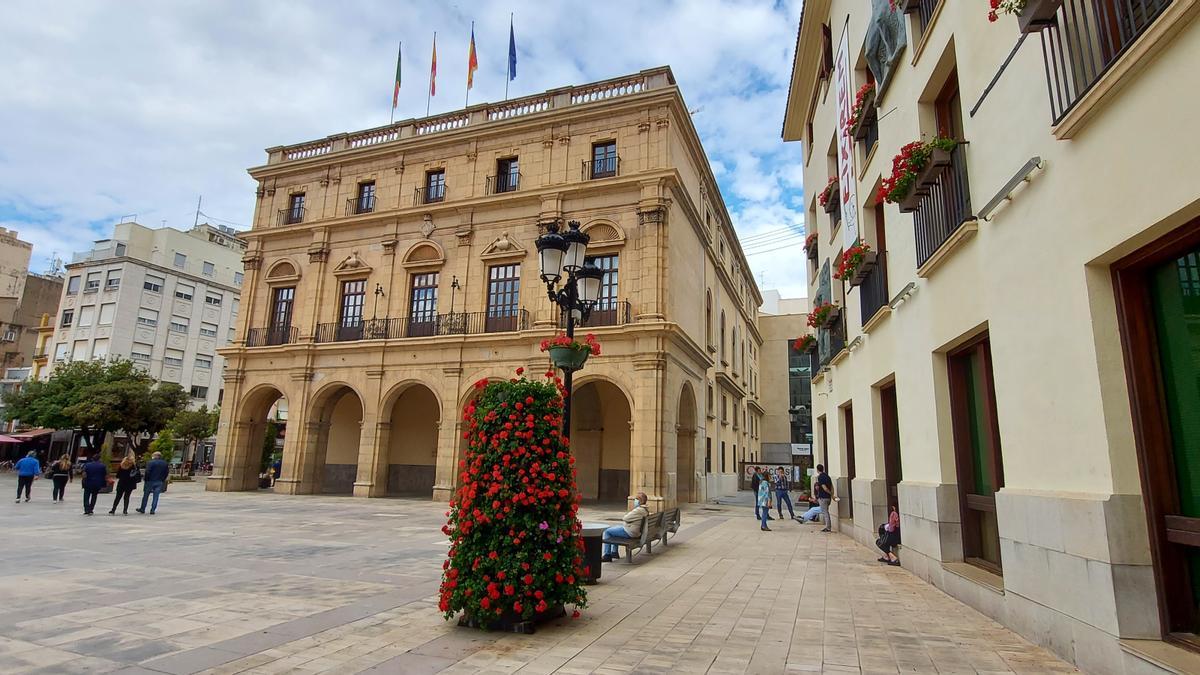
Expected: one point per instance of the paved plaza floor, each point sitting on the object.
(263, 583)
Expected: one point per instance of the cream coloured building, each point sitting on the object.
(390, 269)
(786, 382)
(166, 299)
(1017, 372)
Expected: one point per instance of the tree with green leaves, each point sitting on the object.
(164, 443)
(194, 426)
(97, 398)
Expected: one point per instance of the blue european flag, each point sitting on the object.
(512, 52)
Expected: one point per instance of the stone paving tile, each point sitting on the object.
(266, 584)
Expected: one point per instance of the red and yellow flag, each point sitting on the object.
(472, 61)
(433, 69)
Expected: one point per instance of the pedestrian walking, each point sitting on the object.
(156, 478)
(28, 469)
(823, 487)
(889, 538)
(128, 476)
(782, 486)
(763, 503)
(95, 478)
(60, 474)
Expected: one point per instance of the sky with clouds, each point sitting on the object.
(109, 109)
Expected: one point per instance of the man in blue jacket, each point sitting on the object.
(95, 474)
(156, 479)
(28, 468)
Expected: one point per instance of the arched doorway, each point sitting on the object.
(685, 446)
(256, 440)
(413, 442)
(600, 434)
(339, 412)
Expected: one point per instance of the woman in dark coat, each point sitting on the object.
(128, 476)
(95, 478)
(889, 538)
(60, 473)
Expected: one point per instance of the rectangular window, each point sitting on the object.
(423, 305)
(108, 311)
(233, 309)
(281, 308)
(73, 285)
(977, 451)
(364, 202)
(209, 269)
(100, 349)
(60, 351)
(87, 315)
(435, 186)
(208, 330)
(79, 350)
(147, 317)
(607, 309)
(68, 317)
(113, 281)
(508, 174)
(173, 358)
(237, 278)
(604, 159)
(180, 260)
(707, 454)
(199, 392)
(503, 299)
(354, 294)
(93, 282)
(723, 458)
(179, 324)
(213, 300)
(295, 210)
(203, 361)
(153, 284)
(184, 292)
(141, 351)
(724, 409)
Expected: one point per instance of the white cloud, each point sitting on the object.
(110, 109)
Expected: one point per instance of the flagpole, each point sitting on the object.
(508, 63)
(429, 91)
(392, 116)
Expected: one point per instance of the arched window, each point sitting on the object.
(733, 348)
(723, 360)
(708, 331)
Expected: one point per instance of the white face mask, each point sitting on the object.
(636, 502)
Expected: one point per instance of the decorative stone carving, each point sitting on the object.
(318, 255)
(472, 156)
(389, 246)
(427, 225)
(399, 169)
(503, 247)
(352, 265)
(662, 122)
(652, 216)
(564, 140)
(548, 143)
(643, 127)
(886, 40)
(251, 261)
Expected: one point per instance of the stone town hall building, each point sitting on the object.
(390, 269)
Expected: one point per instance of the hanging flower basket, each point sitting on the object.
(806, 344)
(824, 315)
(1032, 15)
(810, 246)
(857, 262)
(826, 198)
(862, 113)
(917, 166)
(570, 355)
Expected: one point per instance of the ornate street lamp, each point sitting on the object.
(566, 255)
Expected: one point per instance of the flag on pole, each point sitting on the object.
(433, 69)
(396, 91)
(512, 52)
(472, 61)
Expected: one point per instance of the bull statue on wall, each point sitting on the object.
(886, 40)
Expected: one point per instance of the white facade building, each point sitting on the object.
(165, 299)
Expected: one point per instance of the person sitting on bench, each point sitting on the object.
(632, 529)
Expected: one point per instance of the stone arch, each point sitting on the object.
(603, 233)
(412, 411)
(424, 253)
(283, 269)
(686, 425)
(335, 420)
(601, 435)
(242, 456)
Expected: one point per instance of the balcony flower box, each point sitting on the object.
(824, 315)
(806, 344)
(810, 246)
(569, 355)
(1032, 15)
(826, 198)
(917, 167)
(856, 263)
(863, 112)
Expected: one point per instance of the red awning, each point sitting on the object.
(9, 439)
(31, 434)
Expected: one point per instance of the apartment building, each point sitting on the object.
(786, 384)
(166, 299)
(391, 269)
(1013, 364)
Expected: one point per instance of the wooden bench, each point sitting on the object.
(651, 532)
(670, 523)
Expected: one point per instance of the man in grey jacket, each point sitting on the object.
(631, 529)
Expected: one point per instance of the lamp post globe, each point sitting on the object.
(577, 243)
(589, 279)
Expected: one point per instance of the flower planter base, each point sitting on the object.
(1037, 15)
(511, 623)
(811, 253)
(568, 359)
(864, 269)
(859, 130)
(938, 161)
(913, 201)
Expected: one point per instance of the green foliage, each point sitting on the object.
(268, 448)
(164, 443)
(515, 544)
(195, 425)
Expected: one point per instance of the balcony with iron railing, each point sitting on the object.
(273, 336)
(291, 215)
(359, 205)
(924, 10)
(606, 313)
(873, 291)
(606, 167)
(425, 325)
(1084, 39)
(430, 194)
(505, 182)
(944, 206)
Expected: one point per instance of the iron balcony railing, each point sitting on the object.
(835, 212)
(291, 215)
(831, 340)
(505, 182)
(925, 9)
(360, 204)
(606, 313)
(430, 194)
(873, 291)
(605, 167)
(428, 325)
(1085, 39)
(870, 134)
(266, 337)
(945, 208)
